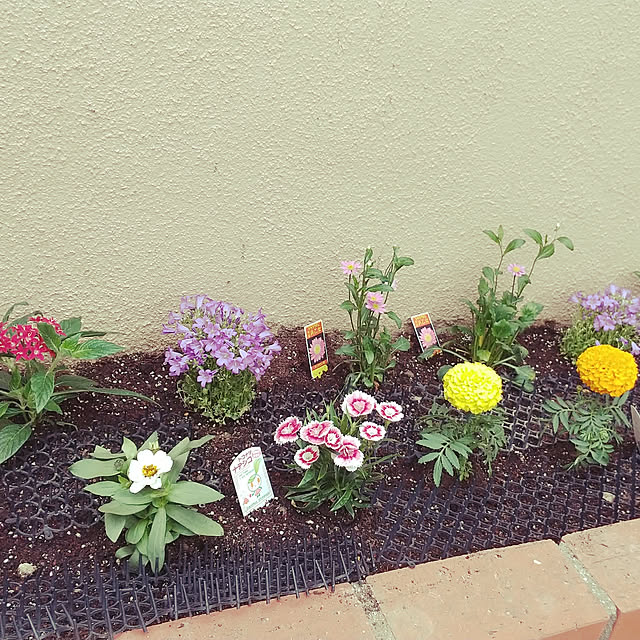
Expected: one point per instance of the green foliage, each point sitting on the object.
(453, 437)
(581, 335)
(151, 518)
(228, 397)
(32, 389)
(370, 347)
(498, 319)
(592, 423)
(326, 483)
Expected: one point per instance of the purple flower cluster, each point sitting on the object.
(609, 309)
(217, 335)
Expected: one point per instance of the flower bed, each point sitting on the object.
(79, 590)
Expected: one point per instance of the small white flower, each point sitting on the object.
(147, 468)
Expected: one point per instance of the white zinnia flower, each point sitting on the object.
(147, 468)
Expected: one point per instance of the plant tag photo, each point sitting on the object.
(635, 418)
(251, 480)
(425, 332)
(316, 349)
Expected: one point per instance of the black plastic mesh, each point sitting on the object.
(101, 600)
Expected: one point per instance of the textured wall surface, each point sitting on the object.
(151, 149)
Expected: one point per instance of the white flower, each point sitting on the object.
(147, 468)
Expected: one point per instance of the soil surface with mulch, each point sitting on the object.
(289, 373)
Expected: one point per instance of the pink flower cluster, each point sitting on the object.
(24, 340)
(345, 449)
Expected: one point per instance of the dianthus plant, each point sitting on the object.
(34, 378)
(606, 317)
(148, 502)
(337, 450)
(370, 346)
(222, 352)
(498, 319)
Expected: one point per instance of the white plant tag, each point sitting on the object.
(635, 421)
(251, 480)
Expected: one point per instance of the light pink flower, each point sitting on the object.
(516, 270)
(351, 267)
(314, 431)
(287, 430)
(304, 458)
(427, 337)
(390, 411)
(333, 438)
(317, 349)
(372, 431)
(375, 302)
(358, 404)
(349, 455)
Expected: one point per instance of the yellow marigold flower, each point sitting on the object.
(607, 370)
(472, 386)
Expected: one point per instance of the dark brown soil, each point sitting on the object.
(145, 373)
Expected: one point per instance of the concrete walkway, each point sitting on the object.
(586, 588)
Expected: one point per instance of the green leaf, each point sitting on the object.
(94, 349)
(401, 344)
(194, 521)
(126, 497)
(124, 552)
(155, 545)
(346, 350)
(380, 287)
(89, 469)
(395, 318)
(49, 336)
(42, 389)
(404, 261)
(489, 274)
(3, 408)
(437, 472)
(103, 488)
(135, 533)
(492, 235)
(368, 355)
(347, 305)
(120, 509)
(53, 406)
(546, 252)
(12, 437)
(104, 454)
(185, 445)
(191, 493)
(429, 457)
(534, 235)
(502, 329)
(129, 449)
(74, 382)
(11, 309)
(566, 242)
(516, 243)
(71, 326)
(483, 355)
(113, 524)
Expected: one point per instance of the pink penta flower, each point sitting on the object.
(358, 404)
(304, 458)
(516, 270)
(317, 349)
(314, 431)
(333, 438)
(375, 302)
(287, 430)
(350, 267)
(372, 431)
(390, 411)
(348, 455)
(51, 321)
(427, 337)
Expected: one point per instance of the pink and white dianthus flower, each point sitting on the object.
(314, 431)
(333, 438)
(358, 404)
(390, 411)
(349, 455)
(375, 302)
(304, 458)
(372, 431)
(287, 430)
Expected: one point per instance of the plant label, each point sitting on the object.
(635, 420)
(425, 332)
(251, 480)
(316, 349)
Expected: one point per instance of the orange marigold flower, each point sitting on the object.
(607, 370)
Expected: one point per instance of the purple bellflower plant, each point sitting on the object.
(222, 352)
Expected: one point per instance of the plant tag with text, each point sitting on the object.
(635, 418)
(316, 349)
(251, 480)
(425, 331)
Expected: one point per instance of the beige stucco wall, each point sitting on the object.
(150, 149)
